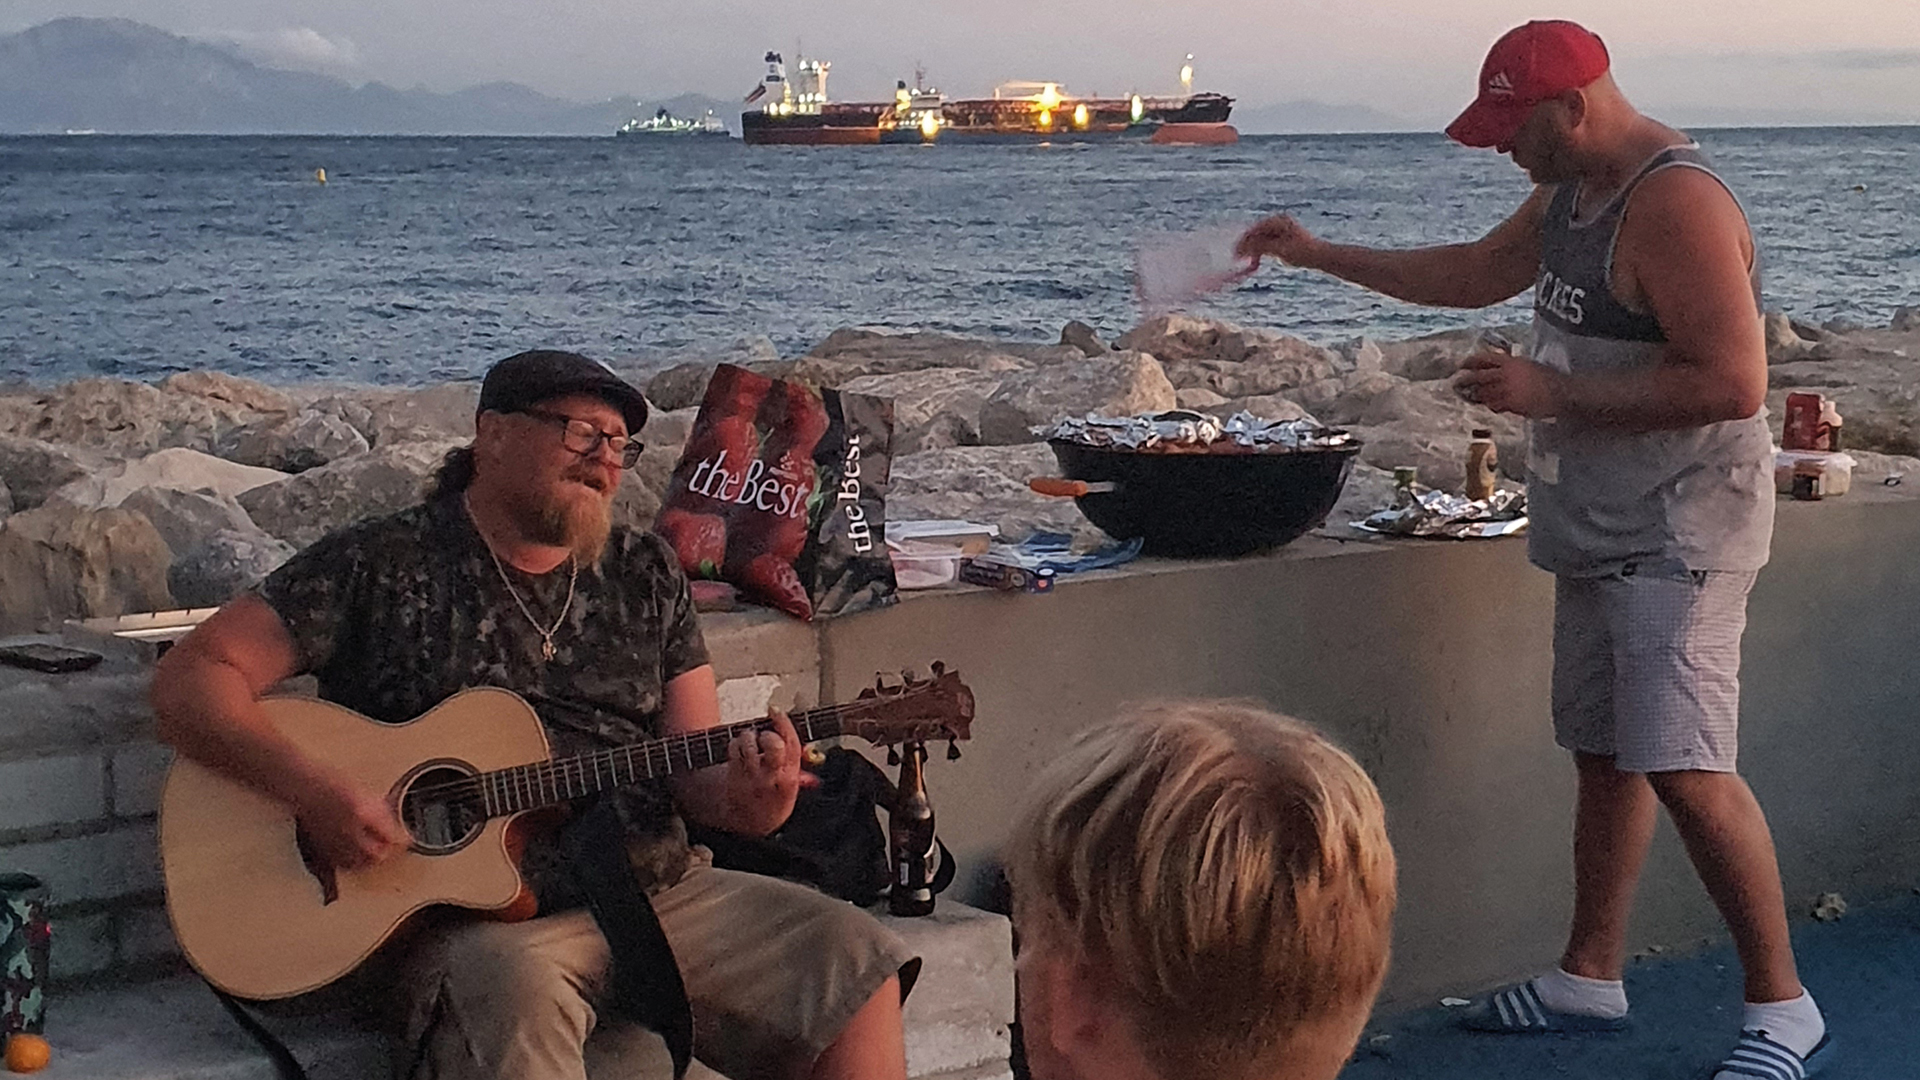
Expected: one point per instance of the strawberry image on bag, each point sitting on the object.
(781, 492)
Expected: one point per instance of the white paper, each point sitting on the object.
(1172, 270)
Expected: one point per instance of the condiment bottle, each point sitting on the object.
(1830, 423)
(1483, 465)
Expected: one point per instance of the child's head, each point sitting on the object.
(1202, 889)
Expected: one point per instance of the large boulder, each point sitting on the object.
(224, 565)
(1436, 356)
(431, 414)
(987, 484)
(669, 428)
(63, 562)
(1200, 399)
(1085, 338)
(642, 489)
(932, 408)
(129, 419)
(1875, 391)
(6, 501)
(1905, 319)
(232, 389)
(384, 480)
(849, 354)
(35, 469)
(1784, 343)
(1267, 407)
(178, 468)
(185, 519)
(1122, 384)
(292, 444)
(1232, 361)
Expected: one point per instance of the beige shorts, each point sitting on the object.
(774, 971)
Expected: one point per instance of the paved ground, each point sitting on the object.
(1864, 970)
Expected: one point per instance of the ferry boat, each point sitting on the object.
(662, 123)
(798, 111)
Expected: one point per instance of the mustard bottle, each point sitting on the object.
(1483, 465)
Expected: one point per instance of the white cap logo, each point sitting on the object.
(1499, 85)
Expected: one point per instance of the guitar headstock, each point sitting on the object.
(932, 709)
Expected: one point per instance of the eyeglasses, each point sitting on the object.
(584, 439)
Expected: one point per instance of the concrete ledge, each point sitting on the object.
(173, 1029)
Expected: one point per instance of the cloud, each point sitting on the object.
(293, 47)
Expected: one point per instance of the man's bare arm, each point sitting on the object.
(1496, 267)
(205, 697)
(753, 793)
(1685, 250)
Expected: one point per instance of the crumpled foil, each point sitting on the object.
(1443, 514)
(1185, 429)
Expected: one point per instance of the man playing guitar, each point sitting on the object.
(511, 576)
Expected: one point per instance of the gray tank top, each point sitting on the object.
(1600, 500)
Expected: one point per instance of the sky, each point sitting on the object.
(1692, 61)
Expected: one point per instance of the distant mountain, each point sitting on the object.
(1315, 117)
(122, 77)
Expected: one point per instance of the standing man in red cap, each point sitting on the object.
(1651, 497)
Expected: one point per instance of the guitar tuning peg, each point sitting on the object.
(893, 755)
(953, 752)
(906, 676)
(939, 668)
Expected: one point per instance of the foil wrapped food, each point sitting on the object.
(1183, 430)
(1443, 514)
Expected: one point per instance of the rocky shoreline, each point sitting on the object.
(119, 496)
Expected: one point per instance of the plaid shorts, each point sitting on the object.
(1646, 667)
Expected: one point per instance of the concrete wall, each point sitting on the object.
(1431, 661)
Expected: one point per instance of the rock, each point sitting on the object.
(1829, 907)
(218, 386)
(1368, 489)
(1177, 338)
(1230, 360)
(750, 351)
(1782, 342)
(225, 565)
(669, 428)
(1200, 399)
(1840, 326)
(384, 480)
(433, 414)
(1871, 467)
(63, 562)
(1874, 391)
(179, 468)
(6, 501)
(1123, 385)
(1905, 319)
(1807, 331)
(294, 444)
(637, 501)
(1085, 338)
(1267, 407)
(932, 408)
(131, 418)
(987, 484)
(683, 385)
(34, 469)
(186, 519)
(1437, 356)
(1362, 354)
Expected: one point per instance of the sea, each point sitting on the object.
(425, 259)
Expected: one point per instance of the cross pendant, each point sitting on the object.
(546, 649)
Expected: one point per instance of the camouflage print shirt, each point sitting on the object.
(395, 614)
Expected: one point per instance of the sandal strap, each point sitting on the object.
(1759, 1056)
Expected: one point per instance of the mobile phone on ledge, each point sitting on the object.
(54, 659)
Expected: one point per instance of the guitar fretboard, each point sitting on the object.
(530, 787)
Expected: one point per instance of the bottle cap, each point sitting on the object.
(1482, 433)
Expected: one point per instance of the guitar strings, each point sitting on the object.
(537, 778)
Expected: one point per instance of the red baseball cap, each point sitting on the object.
(1528, 65)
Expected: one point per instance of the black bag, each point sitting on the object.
(834, 841)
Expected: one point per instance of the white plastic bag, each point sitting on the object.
(1171, 270)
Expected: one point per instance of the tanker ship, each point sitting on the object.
(797, 111)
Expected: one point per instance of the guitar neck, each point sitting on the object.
(548, 783)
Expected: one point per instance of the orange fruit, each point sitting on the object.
(28, 1053)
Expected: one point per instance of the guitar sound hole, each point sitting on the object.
(443, 809)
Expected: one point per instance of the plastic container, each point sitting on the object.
(921, 564)
(1835, 470)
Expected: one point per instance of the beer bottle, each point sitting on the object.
(910, 844)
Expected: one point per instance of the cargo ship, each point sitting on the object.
(797, 111)
(662, 123)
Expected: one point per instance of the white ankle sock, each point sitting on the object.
(1796, 1024)
(1563, 991)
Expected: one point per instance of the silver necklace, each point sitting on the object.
(573, 575)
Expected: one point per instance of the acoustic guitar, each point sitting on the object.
(261, 917)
